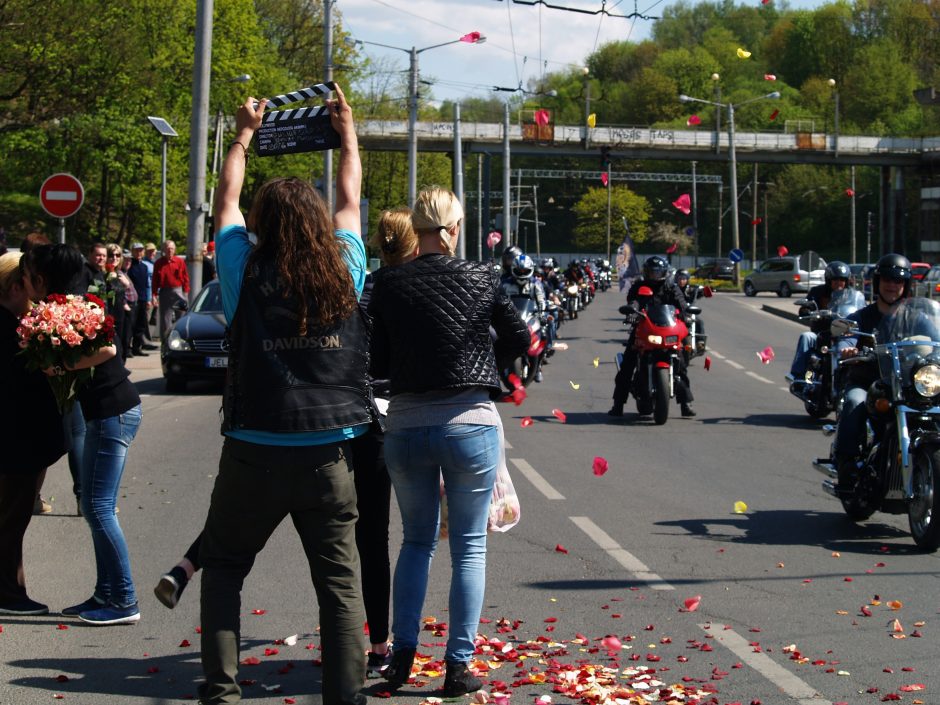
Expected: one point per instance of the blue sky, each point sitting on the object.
(523, 41)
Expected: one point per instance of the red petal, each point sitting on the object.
(560, 415)
(600, 466)
(782, 251)
(550, 620)
(62, 678)
(184, 643)
(62, 626)
(289, 701)
(774, 114)
(560, 549)
(251, 661)
(604, 178)
(258, 611)
(526, 421)
(708, 362)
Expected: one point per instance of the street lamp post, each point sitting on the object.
(835, 120)
(166, 132)
(716, 78)
(735, 225)
(471, 38)
(586, 72)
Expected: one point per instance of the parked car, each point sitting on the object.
(715, 269)
(196, 347)
(929, 286)
(784, 275)
(919, 270)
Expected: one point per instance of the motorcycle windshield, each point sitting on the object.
(661, 315)
(845, 302)
(524, 305)
(908, 337)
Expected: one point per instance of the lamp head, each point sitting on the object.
(831, 82)
(242, 78)
(715, 77)
(585, 70)
(684, 99)
(774, 95)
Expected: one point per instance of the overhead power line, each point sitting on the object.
(602, 10)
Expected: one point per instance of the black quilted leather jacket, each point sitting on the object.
(432, 319)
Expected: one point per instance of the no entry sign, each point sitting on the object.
(61, 195)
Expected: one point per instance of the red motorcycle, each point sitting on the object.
(658, 341)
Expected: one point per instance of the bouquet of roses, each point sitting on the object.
(56, 333)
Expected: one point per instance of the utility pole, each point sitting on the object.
(328, 55)
(694, 216)
(535, 200)
(754, 220)
(507, 186)
(458, 177)
(852, 209)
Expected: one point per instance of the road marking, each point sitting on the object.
(507, 445)
(758, 377)
(532, 475)
(619, 554)
(790, 684)
(717, 354)
(735, 365)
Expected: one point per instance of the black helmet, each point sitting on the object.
(509, 256)
(682, 274)
(892, 266)
(655, 268)
(838, 270)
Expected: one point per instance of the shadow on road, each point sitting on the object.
(793, 420)
(157, 387)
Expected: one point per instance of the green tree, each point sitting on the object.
(591, 213)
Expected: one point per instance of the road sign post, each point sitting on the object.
(61, 196)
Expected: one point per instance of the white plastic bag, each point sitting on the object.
(505, 510)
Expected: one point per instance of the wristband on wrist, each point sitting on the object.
(244, 148)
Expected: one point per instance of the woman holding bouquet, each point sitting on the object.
(111, 407)
(32, 438)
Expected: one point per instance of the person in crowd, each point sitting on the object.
(32, 436)
(112, 414)
(664, 292)
(41, 506)
(92, 279)
(521, 281)
(287, 453)
(139, 273)
(119, 294)
(150, 257)
(431, 338)
(507, 258)
(208, 263)
(837, 276)
(891, 283)
(170, 285)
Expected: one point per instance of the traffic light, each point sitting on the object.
(605, 157)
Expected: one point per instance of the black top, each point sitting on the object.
(110, 392)
(667, 293)
(31, 431)
(431, 325)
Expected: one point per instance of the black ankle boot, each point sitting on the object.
(399, 670)
(616, 409)
(687, 410)
(459, 680)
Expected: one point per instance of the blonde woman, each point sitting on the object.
(119, 290)
(431, 338)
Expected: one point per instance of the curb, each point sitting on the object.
(780, 312)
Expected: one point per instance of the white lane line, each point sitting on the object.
(532, 475)
(758, 377)
(717, 354)
(784, 389)
(507, 445)
(794, 687)
(735, 365)
(619, 554)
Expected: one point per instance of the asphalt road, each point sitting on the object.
(777, 590)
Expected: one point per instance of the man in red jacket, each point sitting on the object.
(170, 283)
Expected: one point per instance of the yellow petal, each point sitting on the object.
(592, 120)
(597, 361)
(573, 385)
(743, 53)
(740, 507)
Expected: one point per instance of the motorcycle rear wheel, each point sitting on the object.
(524, 369)
(925, 529)
(661, 395)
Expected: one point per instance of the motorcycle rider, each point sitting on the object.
(508, 257)
(891, 283)
(837, 278)
(520, 282)
(682, 278)
(653, 276)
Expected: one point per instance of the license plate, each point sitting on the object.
(217, 362)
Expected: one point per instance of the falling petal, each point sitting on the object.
(560, 415)
(493, 239)
(769, 77)
(518, 395)
(574, 386)
(612, 643)
(542, 117)
(683, 203)
(560, 549)
(526, 421)
(604, 178)
(600, 466)
(849, 192)
(740, 507)
(471, 37)
(774, 114)
(708, 362)
(693, 120)
(671, 250)
(692, 603)
(782, 251)
(596, 361)
(561, 346)
(514, 380)
(757, 221)
(592, 120)
(743, 53)
(766, 355)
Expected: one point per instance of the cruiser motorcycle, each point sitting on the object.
(899, 461)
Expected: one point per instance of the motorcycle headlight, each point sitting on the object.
(655, 339)
(573, 289)
(174, 341)
(927, 381)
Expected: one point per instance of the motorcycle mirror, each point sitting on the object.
(694, 310)
(842, 326)
(644, 291)
(707, 292)
(808, 303)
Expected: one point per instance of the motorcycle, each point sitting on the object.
(603, 277)
(899, 461)
(658, 341)
(572, 299)
(819, 390)
(525, 367)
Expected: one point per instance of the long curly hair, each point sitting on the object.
(295, 231)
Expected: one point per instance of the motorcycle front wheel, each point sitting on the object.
(661, 395)
(925, 471)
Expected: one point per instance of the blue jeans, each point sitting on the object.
(804, 346)
(106, 444)
(75, 427)
(467, 456)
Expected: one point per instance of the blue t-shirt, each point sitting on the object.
(232, 250)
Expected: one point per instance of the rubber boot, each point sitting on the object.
(459, 680)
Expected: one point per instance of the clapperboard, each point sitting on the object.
(300, 129)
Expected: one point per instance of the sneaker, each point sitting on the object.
(23, 608)
(399, 669)
(92, 603)
(377, 663)
(538, 376)
(108, 615)
(459, 680)
(616, 410)
(171, 587)
(688, 411)
(41, 506)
